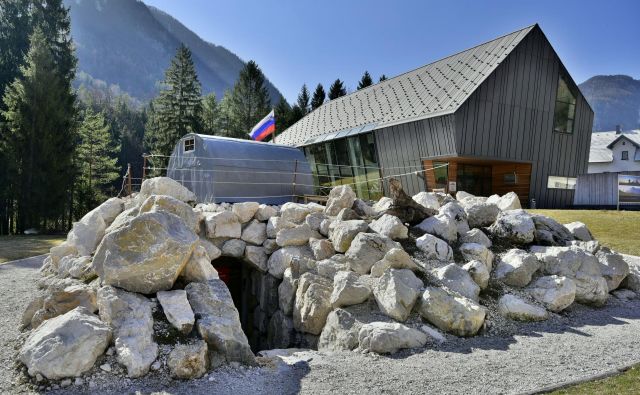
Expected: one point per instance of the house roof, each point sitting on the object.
(432, 90)
(602, 142)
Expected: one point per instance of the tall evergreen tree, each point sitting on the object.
(178, 109)
(337, 90)
(382, 78)
(210, 115)
(249, 100)
(282, 113)
(98, 156)
(40, 116)
(365, 81)
(303, 99)
(226, 125)
(318, 97)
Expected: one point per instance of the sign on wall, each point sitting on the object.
(452, 186)
(628, 189)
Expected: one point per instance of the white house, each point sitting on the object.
(615, 151)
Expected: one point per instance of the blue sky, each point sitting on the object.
(300, 41)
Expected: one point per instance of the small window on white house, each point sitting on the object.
(555, 182)
(625, 155)
(189, 145)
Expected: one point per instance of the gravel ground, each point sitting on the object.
(578, 343)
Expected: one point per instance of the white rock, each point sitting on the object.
(451, 313)
(508, 201)
(441, 226)
(287, 292)
(434, 248)
(340, 197)
(382, 205)
(458, 280)
(342, 233)
(613, 267)
(213, 252)
(171, 205)
(624, 294)
(222, 224)
(366, 249)
(579, 230)
(427, 199)
(87, 233)
(433, 333)
(632, 281)
(294, 212)
(188, 361)
(478, 272)
(516, 267)
(479, 212)
(549, 231)
(245, 210)
(329, 267)
(346, 214)
(477, 252)
(515, 226)
(476, 236)
(460, 195)
(456, 212)
(296, 236)
(348, 289)
(255, 233)
(256, 257)
(314, 220)
(276, 224)
(388, 337)
(80, 268)
(321, 248)
(265, 212)
(516, 308)
(177, 309)
(390, 226)
(62, 300)
(363, 209)
(65, 346)
(199, 268)
(110, 209)
(396, 293)
(395, 258)
(312, 306)
(280, 260)
(270, 246)
(234, 248)
(164, 186)
(340, 333)
(555, 292)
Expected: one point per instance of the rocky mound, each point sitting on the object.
(134, 282)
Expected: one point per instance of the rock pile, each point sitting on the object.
(342, 277)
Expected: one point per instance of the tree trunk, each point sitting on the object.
(404, 207)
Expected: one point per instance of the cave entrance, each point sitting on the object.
(254, 294)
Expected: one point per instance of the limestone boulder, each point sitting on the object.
(171, 205)
(147, 254)
(62, 300)
(340, 197)
(458, 280)
(451, 313)
(199, 268)
(245, 210)
(276, 224)
(164, 186)
(366, 249)
(234, 248)
(325, 226)
(476, 236)
(342, 233)
(632, 281)
(329, 267)
(389, 337)
(122, 219)
(218, 321)
(592, 247)
(80, 268)
(509, 201)
(460, 195)
(287, 292)
(110, 209)
(280, 332)
(455, 211)
(395, 258)
(312, 304)
(382, 205)
(177, 309)
(130, 316)
(87, 233)
(518, 309)
(297, 236)
(295, 212)
(479, 212)
(321, 248)
(280, 260)
(265, 212)
(348, 289)
(477, 252)
(396, 293)
(478, 272)
(314, 220)
(188, 361)
(434, 248)
(60, 251)
(555, 292)
(390, 226)
(255, 233)
(441, 226)
(516, 226)
(213, 252)
(270, 246)
(256, 257)
(340, 333)
(613, 267)
(579, 231)
(347, 214)
(550, 232)
(222, 224)
(516, 267)
(65, 346)
(363, 209)
(427, 199)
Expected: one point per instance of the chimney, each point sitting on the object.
(618, 129)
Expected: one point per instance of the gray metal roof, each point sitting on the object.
(601, 141)
(436, 89)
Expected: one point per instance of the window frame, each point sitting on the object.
(190, 142)
(624, 155)
(568, 186)
(563, 77)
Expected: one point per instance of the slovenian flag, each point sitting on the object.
(264, 128)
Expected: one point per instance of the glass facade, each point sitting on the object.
(565, 111)
(351, 160)
(555, 182)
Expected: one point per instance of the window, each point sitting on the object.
(189, 145)
(565, 111)
(510, 178)
(554, 182)
(625, 155)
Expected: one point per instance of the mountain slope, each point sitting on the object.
(615, 99)
(126, 43)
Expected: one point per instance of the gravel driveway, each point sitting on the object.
(579, 343)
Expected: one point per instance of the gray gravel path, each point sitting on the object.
(577, 344)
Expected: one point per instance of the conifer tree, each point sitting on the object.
(318, 97)
(365, 81)
(249, 101)
(226, 125)
(178, 108)
(282, 112)
(337, 90)
(97, 156)
(382, 78)
(210, 115)
(303, 99)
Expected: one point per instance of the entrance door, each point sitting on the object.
(474, 179)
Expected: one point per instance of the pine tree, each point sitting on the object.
(178, 108)
(337, 90)
(210, 115)
(282, 113)
(365, 81)
(96, 156)
(318, 97)
(225, 122)
(249, 100)
(303, 99)
(40, 116)
(382, 78)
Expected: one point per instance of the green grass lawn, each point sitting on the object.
(619, 230)
(18, 247)
(626, 383)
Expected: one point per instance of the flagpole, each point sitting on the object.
(276, 129)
